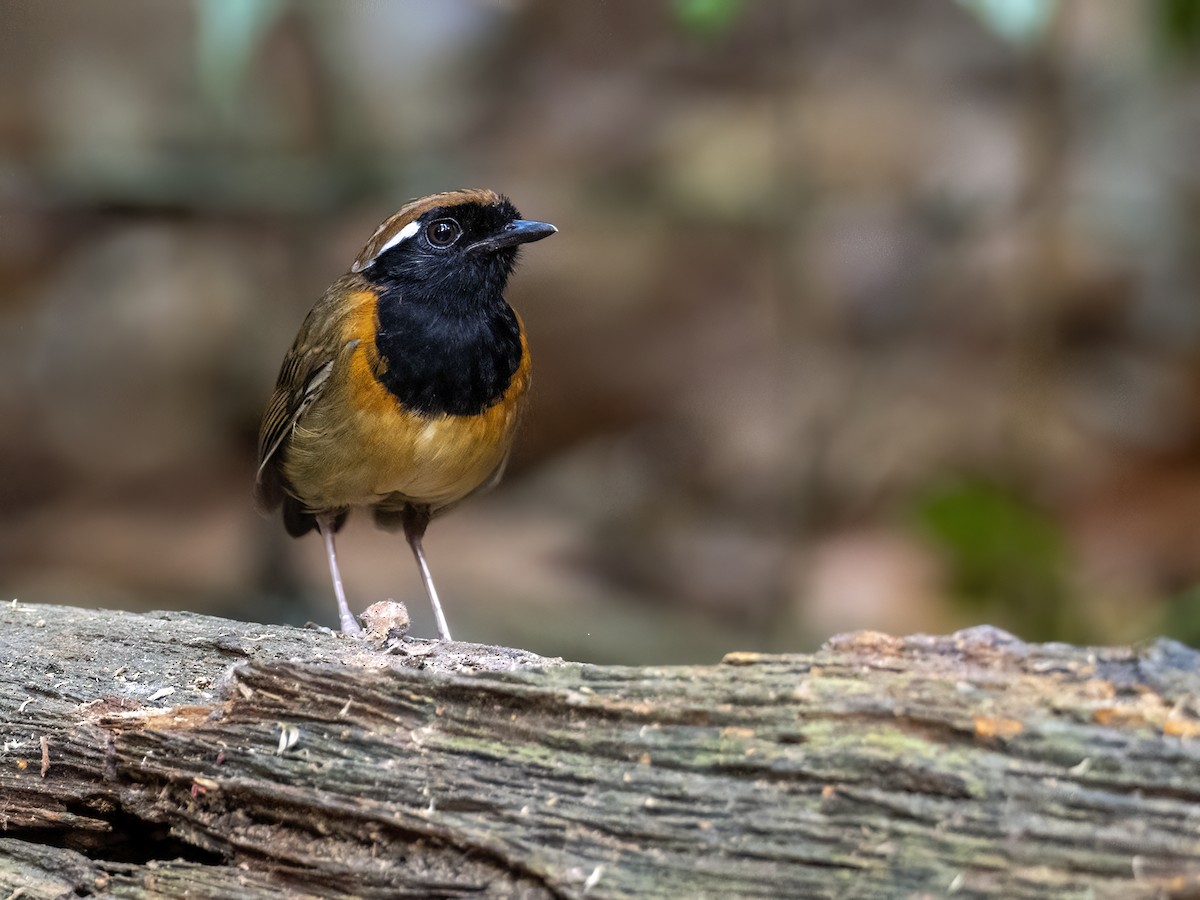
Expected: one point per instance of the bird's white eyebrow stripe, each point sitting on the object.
(402, 235)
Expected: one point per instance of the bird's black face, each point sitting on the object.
(455, 259)
(447, 341)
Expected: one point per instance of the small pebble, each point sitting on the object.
(386, 620)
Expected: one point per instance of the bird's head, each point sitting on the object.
(451, 250)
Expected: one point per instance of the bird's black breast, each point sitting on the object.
(437, 362)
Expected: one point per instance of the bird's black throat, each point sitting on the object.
(447, 340)
(445, 356)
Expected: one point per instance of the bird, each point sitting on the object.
(405, 384)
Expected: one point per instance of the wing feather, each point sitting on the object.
(303, 377)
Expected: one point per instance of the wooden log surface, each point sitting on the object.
(164, 754)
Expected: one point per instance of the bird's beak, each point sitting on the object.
(517, 232)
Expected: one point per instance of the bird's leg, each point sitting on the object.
(416, 519)
(327, 525)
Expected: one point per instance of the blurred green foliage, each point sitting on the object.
(1181, 616)
(1177, 26)
(228, 36)
(707, 17)
(1022, 22)
(1007, 560)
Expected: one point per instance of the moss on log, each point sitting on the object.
(164, 753)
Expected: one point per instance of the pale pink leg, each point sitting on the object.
(414, 541)
(349, 623)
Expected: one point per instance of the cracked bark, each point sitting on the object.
(190, 754)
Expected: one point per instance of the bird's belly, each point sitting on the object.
(442, 459)
(358, 446)
(366, 457)
(337, 460)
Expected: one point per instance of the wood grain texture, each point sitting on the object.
(219, 758)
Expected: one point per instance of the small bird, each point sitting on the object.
(404, 386)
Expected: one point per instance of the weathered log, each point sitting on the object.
(158, 754)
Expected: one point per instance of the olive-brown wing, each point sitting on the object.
(302, 378)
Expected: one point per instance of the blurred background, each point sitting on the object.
(862, 315)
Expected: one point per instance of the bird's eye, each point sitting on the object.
(443, 232)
